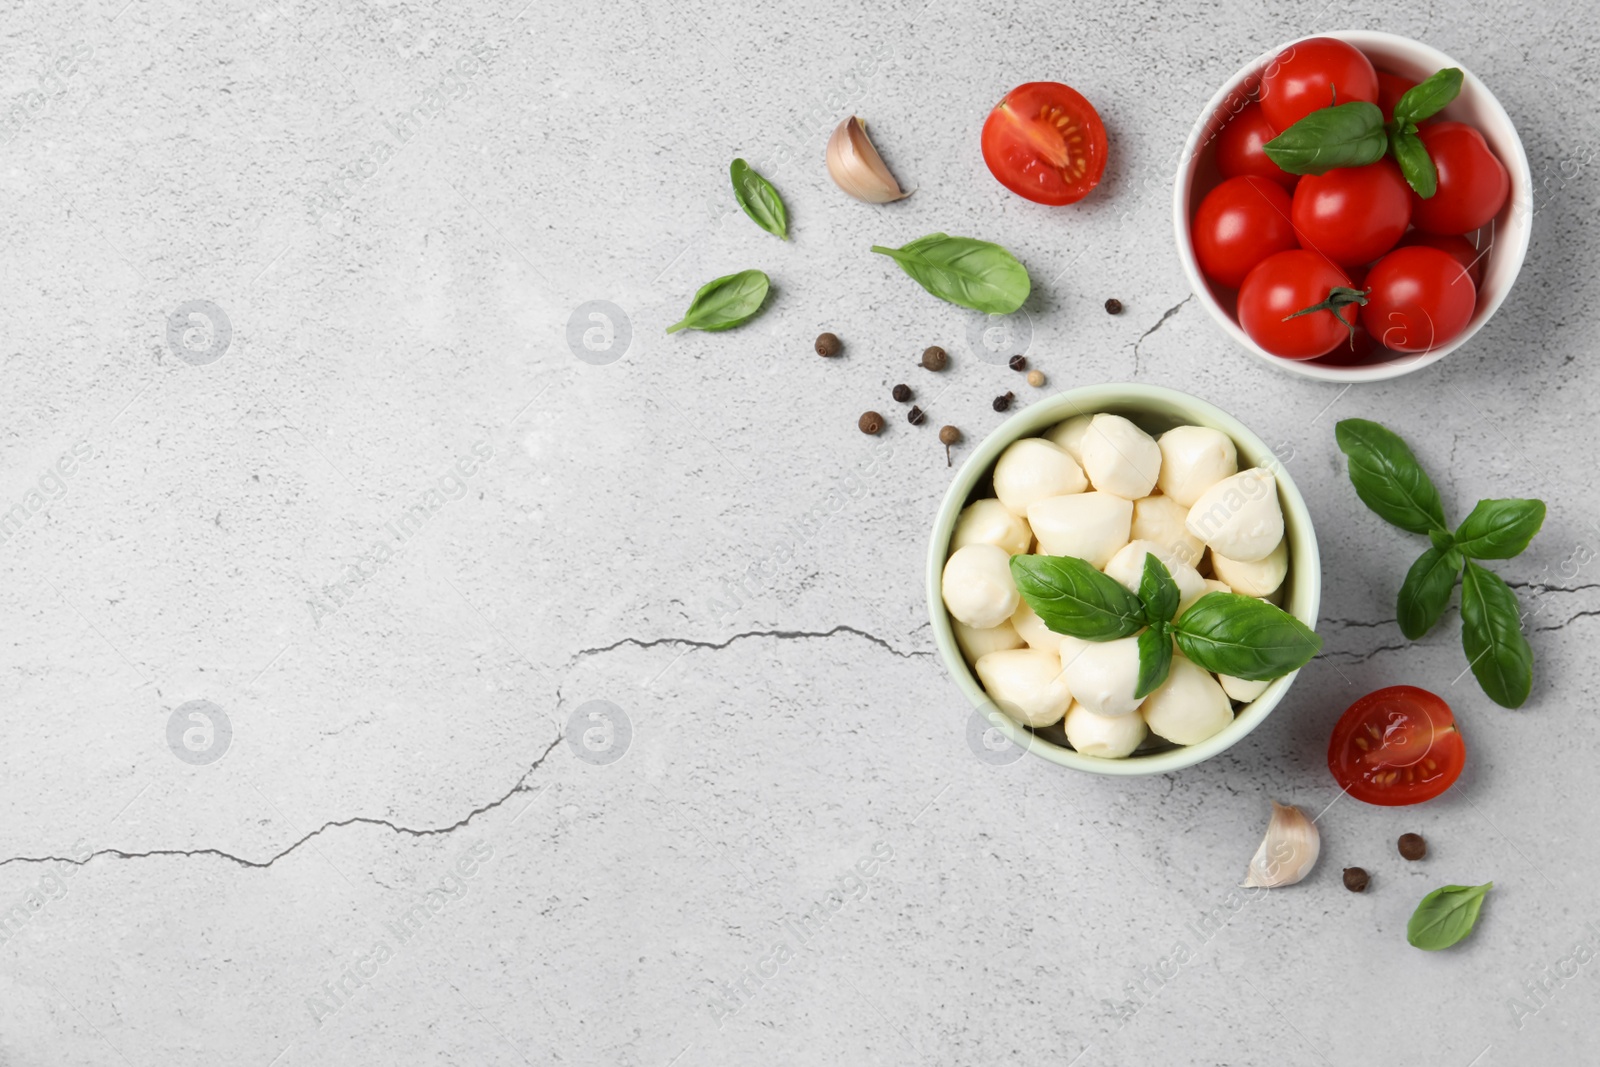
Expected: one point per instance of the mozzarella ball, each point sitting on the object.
(1127, 567)
(1160, 519)
(1260, 577)
(1193, 459)
(1102, 675)
(1091, 526)
(1032, 629)
(975, 644)
(1069, 435)
(1106, 736)
(977, 586)
(1032, 469)
(1027, 684)
(1240, 689)
(989, 522)
(1188, 707)
(1120, 458)
(1214, 586)
(1239, 517)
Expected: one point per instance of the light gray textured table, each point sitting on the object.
(400, 537)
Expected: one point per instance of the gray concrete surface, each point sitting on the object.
(395, 828)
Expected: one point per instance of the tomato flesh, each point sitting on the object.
(1396, 746)
(1045, 143)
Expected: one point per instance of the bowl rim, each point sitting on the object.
(1518, 206)
(1306, 574)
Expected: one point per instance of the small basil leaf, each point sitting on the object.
(1229, 633)
(1415, 163)
(759, 199)
(1346, 135)
(1428, 98)
(1443, 540)
(1155, 659)
(963, 270)
(1158, 591)
(1446, 915)
(1388, 478)
(725, 302)
(1499, 529)
(1072, 597)
(1491, 636)
(1426, 591)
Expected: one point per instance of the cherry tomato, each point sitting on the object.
(1238, 224)
(1314, 74)
(1286, 283)
(1352, 215)
(1462, 249)
(1239, 148)
(1391, 87)
(1418, 299)
(1473, 184)
(1396, 746)
(1046, 143)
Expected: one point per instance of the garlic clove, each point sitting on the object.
(856, 167)
(1287, 852)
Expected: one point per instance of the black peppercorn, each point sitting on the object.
(1412, 846)
(1113, 306)
(934, 357)
(1018, 363)
(870, 422)
(916, 416)
(902, 393)
(828, 344)
(1355, 879)
(1002, 402)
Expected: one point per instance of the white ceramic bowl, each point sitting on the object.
(1156, 410)
(1476, 105)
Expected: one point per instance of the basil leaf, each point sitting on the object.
(1074, 598)
(1491, 635)
(1346, 135)
(1155, 660)
(1446, 915)
(1499, 529)
(1415, 163)
(1229, 633)
(1388, 478)
(1426, 591)
(963, 270)
(1157, 591)
(1443, 540)
(759, 199)
(725, 302)
(1427, 99)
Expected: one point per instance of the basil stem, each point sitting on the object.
(725, 302)
(759, 199)
(1229, 633)
(963, 270)
(1344, 135)
(1388, 478)
(1071, 597)
(1446, 915)
(1491, 636)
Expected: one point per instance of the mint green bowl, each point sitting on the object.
(1156, 410)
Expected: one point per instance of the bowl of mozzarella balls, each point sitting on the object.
(1123, 579)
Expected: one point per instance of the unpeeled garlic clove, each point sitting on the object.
(856, 167)
(1287, 852)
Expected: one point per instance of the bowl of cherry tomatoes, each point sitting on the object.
(1351, 274)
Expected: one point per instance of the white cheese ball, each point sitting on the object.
(1239, 517)
(1032, 629)
(1240, 689)
(1161, 519)
(1102, 674)
(977, 586)
(1127, 567)
(989, 522)
(1027, 684)
(1214, 586)
(1091, 526)
(1120, 458)
(1105, 736)
(1193, 459)
(1032, 469)
(1188, 707)
(1261, 577)
(1069, 435)
(975, 644)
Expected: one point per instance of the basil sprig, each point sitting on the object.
(723, 303)
(1390, 481)
(964, 270)
(759, 199)
(1446, 916)
(1071, 597)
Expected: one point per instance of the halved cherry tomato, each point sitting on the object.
(1396, 746)
(1239, 223)
(1313, 74)
(1352, 215)
(1046, 143)
(1462, 249)
(1277, 289)
(1391, 87)
(1473, 184)
(1418, 298)
(1239, 150)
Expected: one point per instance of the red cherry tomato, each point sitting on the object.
(1238, 224)
(1473, 184)
(1286, 283)
(1314, 74)
(1391, 87)
(1396, 746)
(1470, 258)
(1418, 299)
(1352, 215)
(1239, 148)
(1046, 143)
